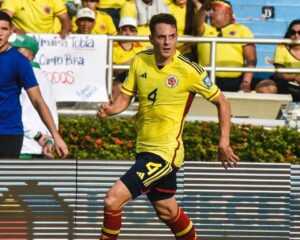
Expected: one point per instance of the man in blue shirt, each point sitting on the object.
(16, 73)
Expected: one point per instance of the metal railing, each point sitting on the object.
(212, 68)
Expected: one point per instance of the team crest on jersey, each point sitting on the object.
(172, 81)
(102, 27)
(47, 9)
(207, 82)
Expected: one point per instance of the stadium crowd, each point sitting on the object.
(209, 18)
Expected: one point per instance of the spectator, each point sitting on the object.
(30, 17)
(184, 11)
(112, 7)
(16, 72)
(228, 55)
(143, 10)
(124, 51)
(35, 132)
(85, 21)
(286, 56)
(104, 23)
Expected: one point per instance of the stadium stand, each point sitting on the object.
(266, 19)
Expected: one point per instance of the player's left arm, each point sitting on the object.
(225, 153)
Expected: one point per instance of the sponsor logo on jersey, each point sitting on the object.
(207, 82)
(102, 27)
(141, 175)
(143, 75)
(172, 81)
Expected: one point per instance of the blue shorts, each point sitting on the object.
(151, 175)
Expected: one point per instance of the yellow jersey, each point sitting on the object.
(104, 24)
(228, 55)
(121, 56)
(165, 96)
(112, 3)
(35, 16)
(283, 56)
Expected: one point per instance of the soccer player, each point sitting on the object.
(16, 72)
(166, 83)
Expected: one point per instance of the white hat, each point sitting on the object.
(86, 13)
(128, 21)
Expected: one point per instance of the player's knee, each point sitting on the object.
(166, 214)
(111, 202)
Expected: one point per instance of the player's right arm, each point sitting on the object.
(117, 106)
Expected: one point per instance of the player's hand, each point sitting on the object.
(227, 157)
(48, 150)
(103, 110)
(60, 146)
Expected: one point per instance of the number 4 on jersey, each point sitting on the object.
(152, 96)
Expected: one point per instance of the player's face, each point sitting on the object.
(164, 41)
(85, 25)
(5, 32)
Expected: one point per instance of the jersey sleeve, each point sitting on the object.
(59, 7)
(10, 5)
(129, 86)
(201, 83)
(246, 33)
(26, 74)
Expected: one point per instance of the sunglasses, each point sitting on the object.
(293, 32)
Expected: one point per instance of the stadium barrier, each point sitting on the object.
(254, 108)
(63, 199)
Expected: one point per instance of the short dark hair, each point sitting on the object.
(162, 18)
(5, 17)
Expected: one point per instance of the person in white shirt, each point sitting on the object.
(36, 134)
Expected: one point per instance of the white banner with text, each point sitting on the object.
(75, 65)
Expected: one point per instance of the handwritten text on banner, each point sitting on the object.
(75, 65)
